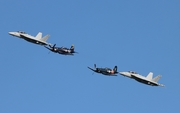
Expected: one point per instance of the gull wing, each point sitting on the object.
(49, 48)
(92, 69)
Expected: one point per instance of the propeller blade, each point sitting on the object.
(50, 45)
(94, 65)
(54, 46)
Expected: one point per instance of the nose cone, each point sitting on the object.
(126, 74)
(14, 34)
(11, 33)
(122, 73)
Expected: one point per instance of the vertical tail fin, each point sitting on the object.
(115, 69)
(155, 79)
(39, 35)
(45, 38)
(149, 76)
(72, 47)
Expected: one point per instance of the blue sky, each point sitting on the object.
(140, 35)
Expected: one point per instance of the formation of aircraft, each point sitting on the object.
(38, 39)
(105, 71)
(149, 80)
(61, 50)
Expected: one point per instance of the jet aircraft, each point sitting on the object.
(149, 80)
(61, 50)
(36, 40)
(105, 71)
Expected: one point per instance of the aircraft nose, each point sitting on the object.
(122, 73)
(11, 33)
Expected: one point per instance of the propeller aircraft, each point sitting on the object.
(105, 71)
(61, 50)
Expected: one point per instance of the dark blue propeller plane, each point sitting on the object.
(61, 50)
(105, 71)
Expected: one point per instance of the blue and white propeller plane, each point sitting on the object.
(36, 40)
(149, 80)
(105, 71)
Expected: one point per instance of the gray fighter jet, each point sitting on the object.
(149, 80)
(61, 50)
(105, 71)
(36, 40)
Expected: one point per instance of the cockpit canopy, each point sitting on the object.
(22, 32)
(64, 47)
(133, 72)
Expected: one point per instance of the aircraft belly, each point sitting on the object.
(60, 51)
(140, 79)
(108, 74)
(35, 41)
(64, 53)
(145, 82)
(17, 36)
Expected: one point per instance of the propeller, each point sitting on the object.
(97, 69)
(54, 46)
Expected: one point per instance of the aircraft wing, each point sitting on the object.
(92, 69)
(61, 51)
(113, 75)
(47, 48)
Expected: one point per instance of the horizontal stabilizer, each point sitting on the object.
(45, 38)
(155, 79)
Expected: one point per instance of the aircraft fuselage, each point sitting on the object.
(144, 81)
(28, 38)
(140, 78)
(106, 71)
